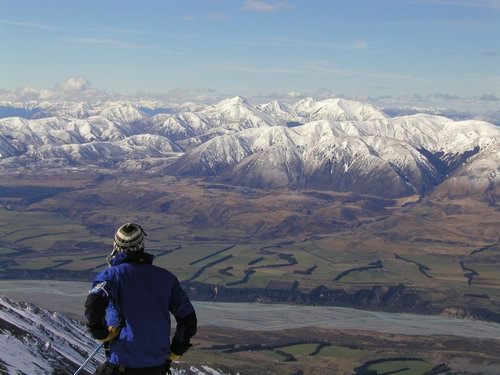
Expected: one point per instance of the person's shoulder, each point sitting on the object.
(165, 272)
(106, 275)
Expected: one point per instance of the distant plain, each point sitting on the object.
(444, 248)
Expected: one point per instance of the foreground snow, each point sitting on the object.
(36, 341)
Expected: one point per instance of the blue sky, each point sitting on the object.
(352, 47)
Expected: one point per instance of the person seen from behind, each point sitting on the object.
(129, 306)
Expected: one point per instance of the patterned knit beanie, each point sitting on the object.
(129, 238)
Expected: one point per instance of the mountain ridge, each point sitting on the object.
(332, 144)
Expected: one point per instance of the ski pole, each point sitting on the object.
(89, 358)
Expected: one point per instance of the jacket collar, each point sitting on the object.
(135, 257)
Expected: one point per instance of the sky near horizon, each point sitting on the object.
(352, 47)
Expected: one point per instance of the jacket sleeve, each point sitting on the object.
(185, 316)
(98, 300)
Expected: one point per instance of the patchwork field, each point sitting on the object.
(274, 244)
(446, 250)
(339, 352)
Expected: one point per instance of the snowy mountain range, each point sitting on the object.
(333, 144)
(35, 341)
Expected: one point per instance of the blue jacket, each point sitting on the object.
(140, 297)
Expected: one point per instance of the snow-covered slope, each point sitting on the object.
(335, 144)
(336, 109)
(191, 129)
(179, 126)
(388, 157)
(121, 113)
(220, 153)
(280, 112)
(481, 174)
(235, 113)
(35, 341)
(105, 153)
(17, 135)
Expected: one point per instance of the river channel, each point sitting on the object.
(69, 297)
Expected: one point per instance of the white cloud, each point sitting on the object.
(74, 84)
(189, 18)
(466, 3)
(107, 42)
(344, 45)
(491, 53)
(461, 24)
(324, 92)
(206, 17)
(294, 94)
(28, 24)
(46, 94)
(253, 68)
(73, 89)
(216, 17)
(117, 30)
(265, 6)
(286, 42)
(27, 93)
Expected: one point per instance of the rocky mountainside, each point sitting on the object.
(35, 341)
(334, 144)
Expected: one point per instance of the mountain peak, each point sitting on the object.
(122, 113)
(337, 109)
(237, 100)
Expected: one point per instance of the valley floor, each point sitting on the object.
(314, 340)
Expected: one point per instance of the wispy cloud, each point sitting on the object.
(107, 42)
(118, 30)
(464, 3)
(32, 25)
(308, 68)
(322, 67)
(207, 17)
(312, 68)
(491, 53)
(447, 96)
(441, 24)
(489, 98)
(286, 42)
(255, 68)
(189, 18)
(216, 17)
(265, 6)
(326, 67)
(344, 45)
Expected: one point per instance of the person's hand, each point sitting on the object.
(112, 333)
(98, 332)
(174, 357)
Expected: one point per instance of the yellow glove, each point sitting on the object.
(174, 357)
(113, 333)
